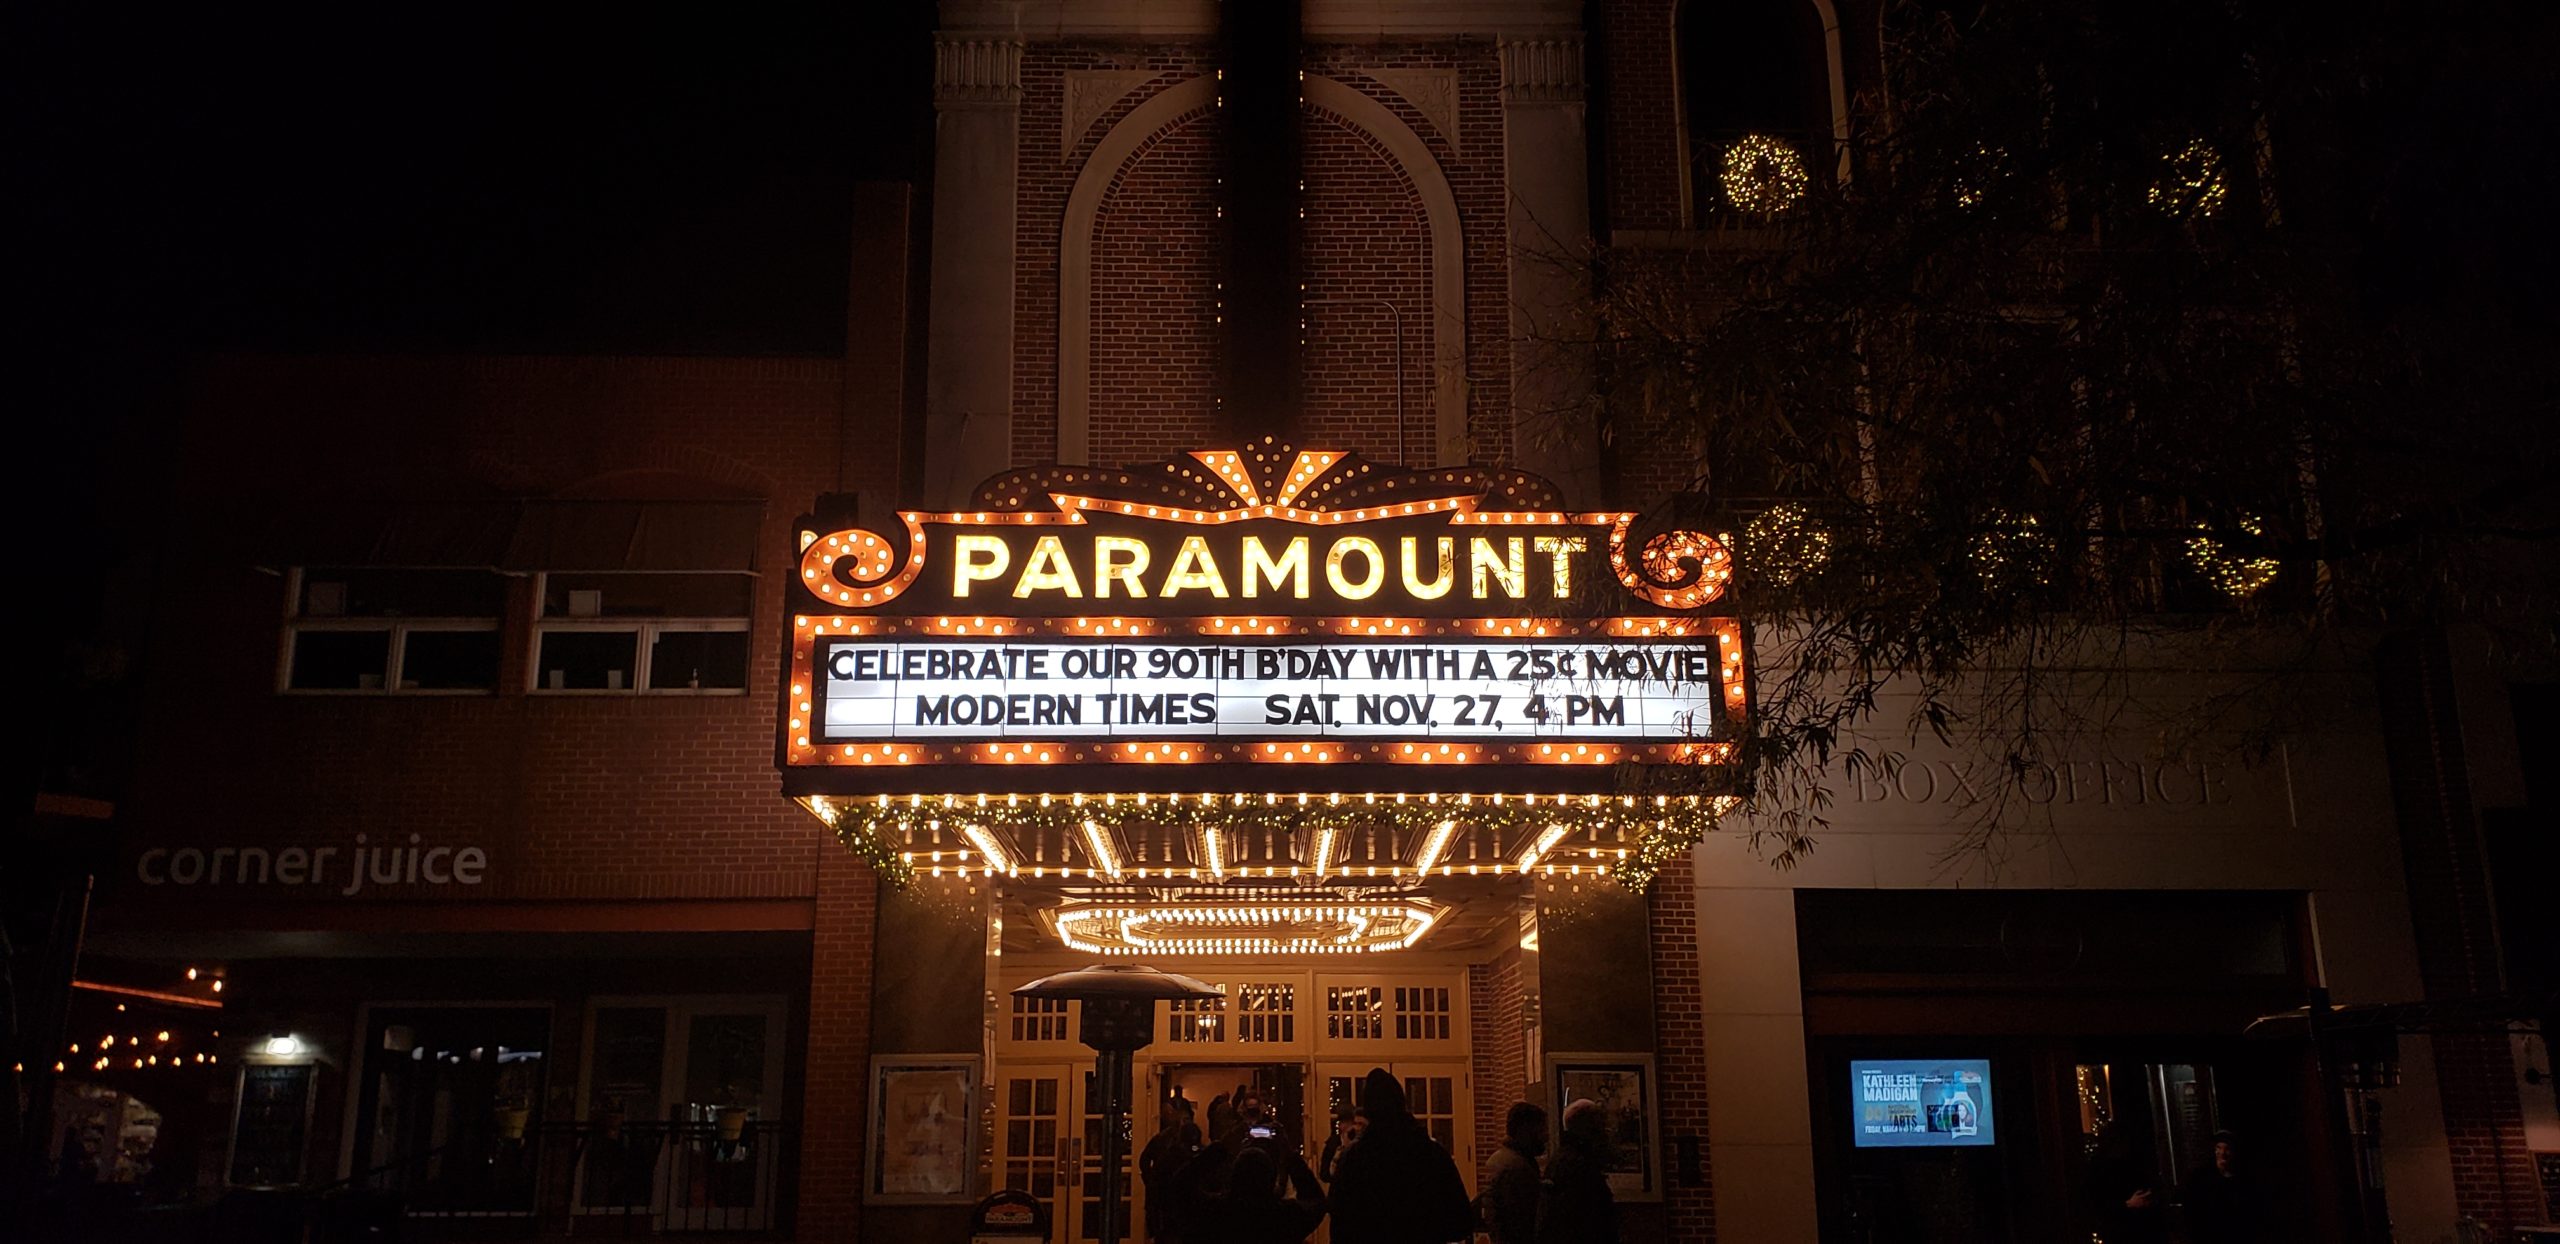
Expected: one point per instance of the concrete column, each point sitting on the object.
(977, 94)
(1544, 154)
(1759, 1114)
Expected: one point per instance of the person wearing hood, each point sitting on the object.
(1510, 1200)
(1397, 1186)
(1580, 1208)
(1270, 1197)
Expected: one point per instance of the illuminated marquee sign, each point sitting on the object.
(1261, 606)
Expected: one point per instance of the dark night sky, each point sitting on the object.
(419, 179)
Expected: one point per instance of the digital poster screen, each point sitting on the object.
(1915, 1103)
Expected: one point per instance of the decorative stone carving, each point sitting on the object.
(977, 71)
(1091, 93)
(1541, 71)
(1432, 92)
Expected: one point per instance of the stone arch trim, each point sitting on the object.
(1171, 105)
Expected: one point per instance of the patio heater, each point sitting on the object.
(1119, 1020)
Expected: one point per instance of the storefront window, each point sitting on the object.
(449, 1111)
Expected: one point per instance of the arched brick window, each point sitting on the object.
(1753, 67)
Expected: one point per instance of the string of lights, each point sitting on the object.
(1656, 828)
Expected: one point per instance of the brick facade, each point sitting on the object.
(571, 796)
(1497, 1039)
(1635, 73)
(1155, 337)
(836, 1088)
(597, 813)
(1680, 1055)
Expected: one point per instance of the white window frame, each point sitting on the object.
(296, 624)
(644, 632)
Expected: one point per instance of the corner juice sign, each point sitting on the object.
(1261, 606)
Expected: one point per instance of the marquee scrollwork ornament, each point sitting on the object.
(1674, 569)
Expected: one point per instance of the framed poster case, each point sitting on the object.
(924, 1118)
(1622, 1085)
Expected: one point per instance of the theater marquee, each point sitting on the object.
(1254, 607)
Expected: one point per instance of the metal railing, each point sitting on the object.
(578, 1179)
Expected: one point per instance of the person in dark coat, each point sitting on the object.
(1347, 1125)
(1397, 1186)
(1509, 1203)
(1172, 1146)
(2221, 1200)
(1270, 1198)
(1580, 1208)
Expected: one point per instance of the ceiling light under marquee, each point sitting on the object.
(1275, 926)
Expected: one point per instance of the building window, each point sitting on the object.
(376, 631)
(667, 633)
(1196, 1019)
(1267, 1013)
(1039, 1019)
(1422, 1012)
(1756, 105)
(1355, 1012)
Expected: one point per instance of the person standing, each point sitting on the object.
(1580, 1208)
(1270, 1198)
(1397, 1186)
(1509, 1204)
(1347, 1125)
(1174, 1143)
(2221, 1200)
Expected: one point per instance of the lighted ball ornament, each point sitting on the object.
(1785, 546)
(1978, 172)
(2237, 577)
(2192, 184)
(2010, 550)
(1762, 176)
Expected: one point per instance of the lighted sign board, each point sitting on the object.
(1172, 688)
(1917, 1103)
(1261, 606)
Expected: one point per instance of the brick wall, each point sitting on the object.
(572, 797)
(1045, 173)
(1500, 1055)
(1155, 338)
(1639, 119)
(2449, 908)
(1155, 299)
(835, 1092)
(1680, 1052)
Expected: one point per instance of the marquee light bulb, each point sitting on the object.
(1546, 841)
(1434, 845)
(989, 847)
(1098, 841)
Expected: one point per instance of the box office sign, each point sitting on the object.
(1261, 605)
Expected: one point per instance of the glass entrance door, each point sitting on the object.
(1035, 1151)
(1049, 1144)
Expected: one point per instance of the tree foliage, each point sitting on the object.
(2121, 322)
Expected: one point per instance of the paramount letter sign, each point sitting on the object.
(1261, 606)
